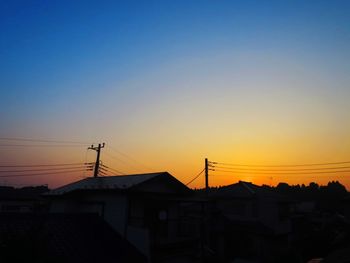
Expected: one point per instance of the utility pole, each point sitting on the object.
(206, 176)
(98, 150)
(206, 212)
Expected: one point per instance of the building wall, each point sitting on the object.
(146, 221)
(140, 238)
(115, 211)
(112, 207)
(237, 208)
(266, 210)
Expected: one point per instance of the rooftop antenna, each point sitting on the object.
(98, 150)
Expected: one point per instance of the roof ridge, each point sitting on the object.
(107, 182)
(125, 175)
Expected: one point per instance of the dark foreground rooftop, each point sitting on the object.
(83, 238)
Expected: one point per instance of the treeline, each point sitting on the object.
(327, 198)
(308, 192)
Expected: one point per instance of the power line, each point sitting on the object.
(43, 170)
(284, 170)
(112, 169)
(195, 177)
(41, 145)
(106, 172)
(283, 165)
(103, 173)
(117, 159)
(44, 165)
(279, 173)
(38, 174)
(129, 157)
(103, 170)
(40, 140)
(85, 158)
(267, 177)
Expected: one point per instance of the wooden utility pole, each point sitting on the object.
(98, 150)
(206, 176)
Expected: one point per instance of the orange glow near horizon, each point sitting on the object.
(184, 161)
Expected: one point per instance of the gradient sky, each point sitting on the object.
(171, 82)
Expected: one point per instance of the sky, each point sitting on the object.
(166, 84)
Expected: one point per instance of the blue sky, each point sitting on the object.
(114, 70)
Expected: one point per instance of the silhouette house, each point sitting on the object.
(144, 208)
(251, 222)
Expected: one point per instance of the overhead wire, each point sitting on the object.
(40, 140)
(106, 173)
(283, 165)
(43, 170)
(279, 173)
(85, 159)
(38, 174)
(111, 169)
(129, 157)
(310, 169)
(44, 165)
(283, 170)
(114, 157)
(122, 161)
(100, 172)
(24, 170)
(192, 180)
(41, 145)
(264, 176)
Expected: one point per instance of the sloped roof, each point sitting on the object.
(124, 182)
(244, 190)
(70, 238)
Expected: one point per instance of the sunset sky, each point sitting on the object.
(167, 83)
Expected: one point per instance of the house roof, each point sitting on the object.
(78, 238)
(244, 190)
(125, 182)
